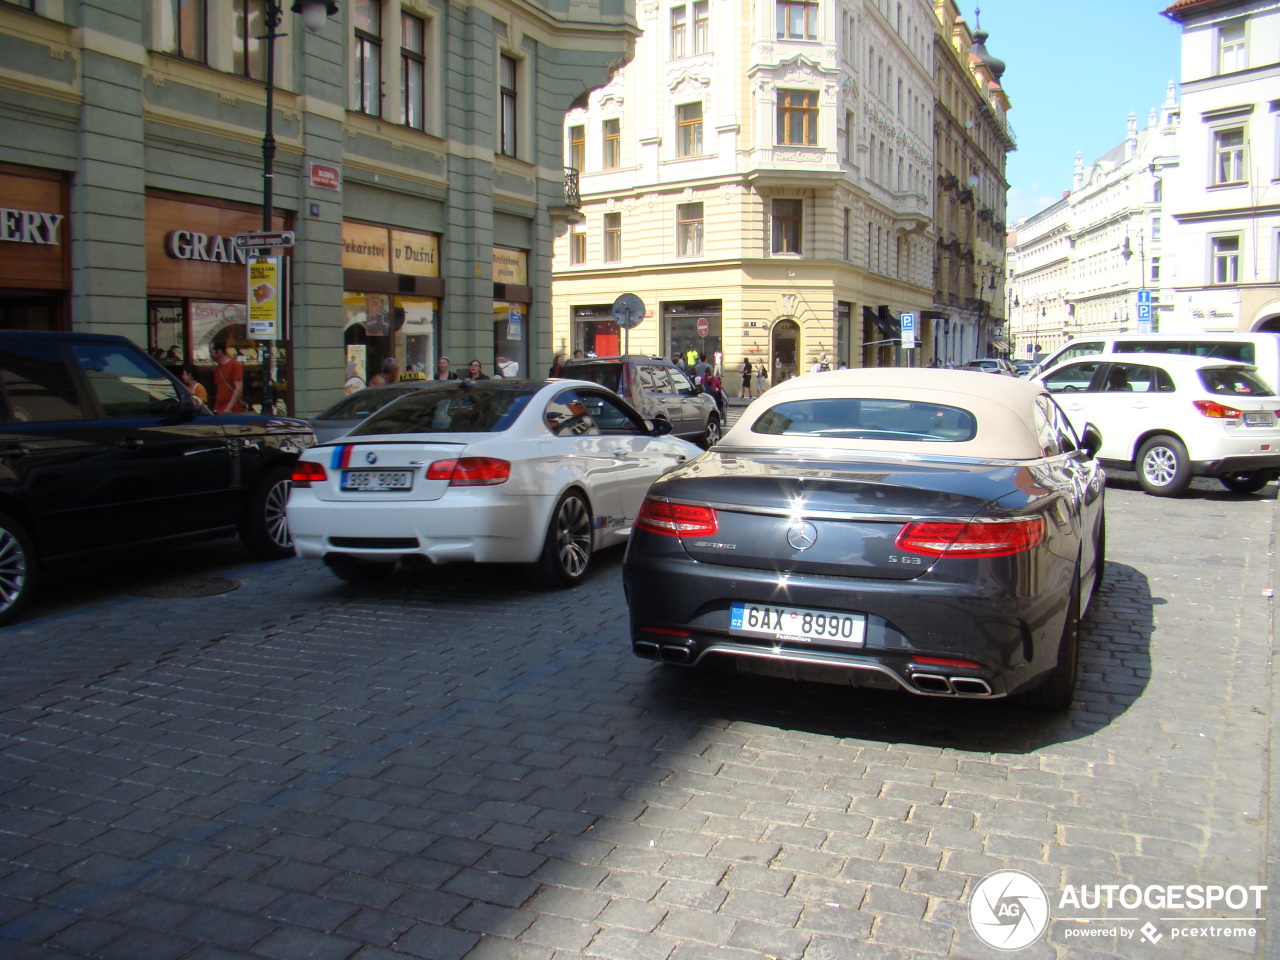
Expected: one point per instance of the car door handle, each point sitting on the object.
(13, 450)
(622, 453)
(129, 443)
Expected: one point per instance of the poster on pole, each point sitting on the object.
(264, 297)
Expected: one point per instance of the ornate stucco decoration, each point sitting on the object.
(686, 82)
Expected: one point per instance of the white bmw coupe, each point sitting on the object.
(539, 472)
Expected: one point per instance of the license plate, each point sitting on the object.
(1257, 419)
(377, 479)
(797, 625)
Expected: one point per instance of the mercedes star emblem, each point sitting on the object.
(802, 534)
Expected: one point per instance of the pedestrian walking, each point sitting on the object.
(746, 378)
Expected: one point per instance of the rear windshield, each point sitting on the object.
(846, 418)
(1241, 352)
(464, 408)
(1233, 382)
(363, 402)
(606, 374)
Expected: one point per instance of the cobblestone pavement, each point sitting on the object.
(456, 764)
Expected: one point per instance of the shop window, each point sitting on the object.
(510, 356)
(413, 70)
(798, 117)
(368, 57)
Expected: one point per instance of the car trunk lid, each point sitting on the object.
(383, 470)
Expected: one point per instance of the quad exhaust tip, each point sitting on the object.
(941, 685)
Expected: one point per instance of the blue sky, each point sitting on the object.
(1075, 73)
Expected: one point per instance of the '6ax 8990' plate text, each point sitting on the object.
(797, 624)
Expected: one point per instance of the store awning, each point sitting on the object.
(1000, 346)
(888, 324)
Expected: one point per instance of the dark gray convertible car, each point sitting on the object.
(938, 531)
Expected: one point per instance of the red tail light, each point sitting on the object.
(676, 519)
(305, 473)
(946, 662)
(990, 538)
(470, 471)
(1211, 408)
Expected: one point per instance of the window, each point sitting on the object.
(508, 105)
(1155, 228)
(797, 20)
(1155, 268)
(612, 144)
(124, 385)
(250, 55)
(1226, 259)
(37, 386)
(368, 57)
(679, 31)
(577, 246)
(413, 66)
(701, 26)
(786, 226)
(689, 117)
(1228, 148)
(848, 136)
(1157, 190)
(189, 18)
(1232, 53)
(578, 147)
(689, 230)
(848, 234)
(612, 237)
(798, 117)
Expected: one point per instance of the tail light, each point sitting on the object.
(676, 519)
(624, 383)
(1211, 408)
(470, 471)
(975, 538)
(946, 662)
(305, 473)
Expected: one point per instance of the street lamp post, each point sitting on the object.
(314, 14)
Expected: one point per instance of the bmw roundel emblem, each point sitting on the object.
(802, 534)
(370, 457)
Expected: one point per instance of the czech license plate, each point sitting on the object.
(797, 625)
(377, 479)
(1262, 419)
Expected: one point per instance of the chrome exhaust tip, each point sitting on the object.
(970, 687)
(930, 683)
(676, 654)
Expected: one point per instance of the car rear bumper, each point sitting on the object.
(1245, 463)
(459, 530)
(679, 613)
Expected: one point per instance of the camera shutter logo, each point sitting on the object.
(1009, 910)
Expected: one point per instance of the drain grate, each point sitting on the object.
(186, 588)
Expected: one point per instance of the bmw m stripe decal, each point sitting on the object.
(341, 457)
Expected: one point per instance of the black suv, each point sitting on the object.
(101, 448)
(658, 389)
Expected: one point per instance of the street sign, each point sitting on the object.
(1144, 311)
(908, 331)
(628, 311)
(703, 327)
(1144, 296)
(262, 239)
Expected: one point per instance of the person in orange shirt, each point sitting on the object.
(195, 386)
(228, 380)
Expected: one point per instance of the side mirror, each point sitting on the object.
(659, 427)
(1090, 440)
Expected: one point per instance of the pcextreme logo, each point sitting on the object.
(1009, 910)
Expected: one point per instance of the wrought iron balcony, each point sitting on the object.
(571, 196)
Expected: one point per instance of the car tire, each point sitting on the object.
(352, 570)
(711, 434)
(566, 551)
(17, 568)
(1250, 481)
(1059, 691)
(265, 528)
(1164, 470)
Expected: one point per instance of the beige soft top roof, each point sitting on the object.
(1002, 405)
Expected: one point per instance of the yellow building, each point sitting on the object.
(761, 176)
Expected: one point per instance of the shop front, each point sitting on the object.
(512, 296)
(197, 293)
(391, 300)
(693, 328)
(35, 249)
(595, 332)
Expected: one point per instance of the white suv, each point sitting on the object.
(1171, 418)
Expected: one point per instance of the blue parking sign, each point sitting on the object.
(1144, 311)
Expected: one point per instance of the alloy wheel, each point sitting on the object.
(13, 569)
(573, 537)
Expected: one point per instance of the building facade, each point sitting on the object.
(760, 175)
(1226, 203)
(1078, 266)
(418, 167)
(972, 138)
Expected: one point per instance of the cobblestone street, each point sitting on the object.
(456, 764)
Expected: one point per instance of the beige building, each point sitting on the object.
(972, 137)
(761, 176)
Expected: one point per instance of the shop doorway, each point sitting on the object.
(29, 312)
(785, 340)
